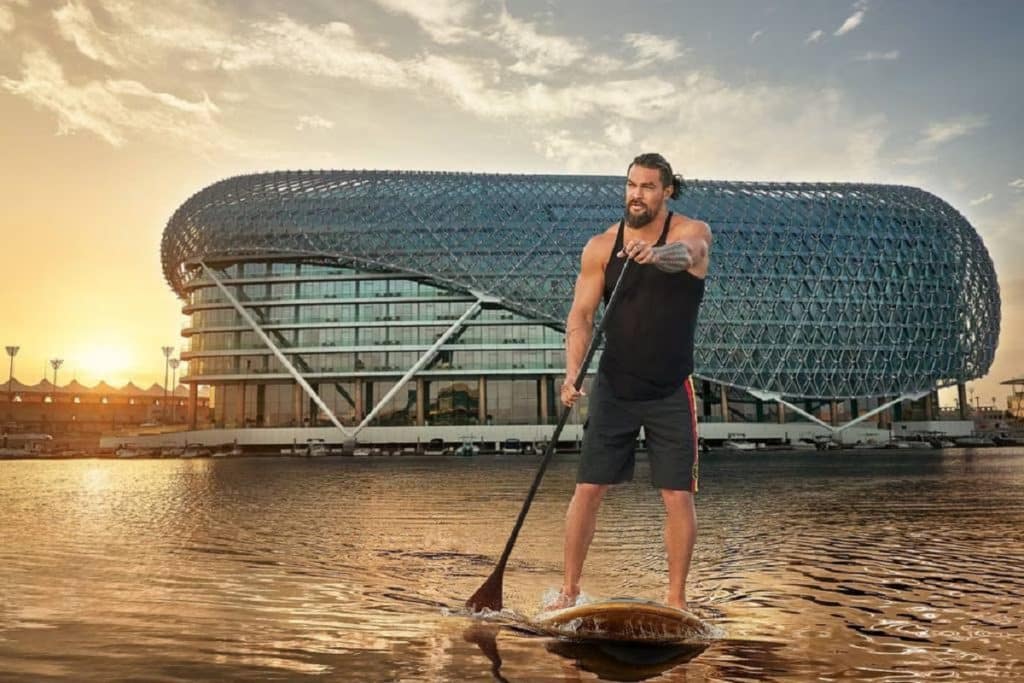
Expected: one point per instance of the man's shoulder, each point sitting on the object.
(605, 237)
(684, 226)
(599, 247)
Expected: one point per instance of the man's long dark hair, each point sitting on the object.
(656, 161)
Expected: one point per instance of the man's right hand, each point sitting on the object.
(569, 393)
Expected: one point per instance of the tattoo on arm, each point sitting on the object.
(674, 257)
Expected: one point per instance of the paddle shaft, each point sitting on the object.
(550, 449)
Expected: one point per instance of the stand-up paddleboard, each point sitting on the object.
(621, 620)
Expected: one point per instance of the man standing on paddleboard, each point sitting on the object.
(644, 378)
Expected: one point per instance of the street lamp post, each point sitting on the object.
(168, 350)
(174, 363)
(12, 351)
(55, 363)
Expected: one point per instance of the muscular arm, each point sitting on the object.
(687, 248)
(579, 326)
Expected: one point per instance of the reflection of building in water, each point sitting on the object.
(311, 295)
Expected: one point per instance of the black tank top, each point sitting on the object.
(648, 349)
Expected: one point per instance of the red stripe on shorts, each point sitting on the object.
(693, 425)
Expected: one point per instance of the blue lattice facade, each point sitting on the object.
(823, 291)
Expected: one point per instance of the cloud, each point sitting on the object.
(709, 127)
(553, 89)
(442, 20)
(7, 20)
(651, 49)
(793, 128)
(538, 54)
(889, 56)
(76, 24)
(941, 132)
(1017, 184)
(854, 20)
(314, 122)
(328, 50)
(814, 37)
(755, 35)
(112, 108)
(476, 88)
(566, 147)
(619, 134)
(981, 200)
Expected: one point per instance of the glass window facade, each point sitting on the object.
(366, 343)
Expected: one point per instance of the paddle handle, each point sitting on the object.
(550, 449)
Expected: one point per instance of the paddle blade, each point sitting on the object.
(488, 596)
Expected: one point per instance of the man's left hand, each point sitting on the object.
(638, 250)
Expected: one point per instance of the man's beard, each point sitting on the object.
(639, 220)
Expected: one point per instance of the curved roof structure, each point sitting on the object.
(816, 290)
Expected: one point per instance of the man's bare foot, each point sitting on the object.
(678, 604)
(561, 601)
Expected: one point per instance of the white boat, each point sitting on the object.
(195, 452)
(129, 452)
(468, 449)
(897, 443)
(512, 447)
(734, 445)
(316, 448)
(233, 451)
(172, 452)
(974, 442)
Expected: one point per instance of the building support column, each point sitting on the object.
(961, 394)
(240, 418)
(193, 405)
(854, 409)
(360, 408)
(724, 392)
(314, 402)
(297, 404)
(543, 399)
(421, 392)
(261, 405)
(481, 404)
(781, 408)
(833, 412)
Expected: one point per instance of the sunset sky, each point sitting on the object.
(114, 112)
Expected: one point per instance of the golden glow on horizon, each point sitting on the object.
(97, 361)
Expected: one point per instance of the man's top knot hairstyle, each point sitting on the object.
(655, 160)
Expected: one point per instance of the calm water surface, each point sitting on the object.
(886, 566)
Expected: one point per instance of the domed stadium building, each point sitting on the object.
(400, 307)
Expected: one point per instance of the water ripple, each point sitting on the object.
(870, 567)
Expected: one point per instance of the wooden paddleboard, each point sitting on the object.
(623, 620)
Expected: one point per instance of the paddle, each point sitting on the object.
(489, 594)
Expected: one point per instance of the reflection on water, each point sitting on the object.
(888, 566)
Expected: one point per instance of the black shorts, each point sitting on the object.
(612, 427)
